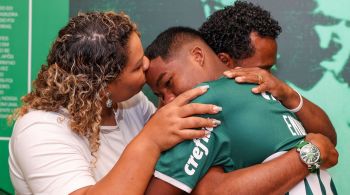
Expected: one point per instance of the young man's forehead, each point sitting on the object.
(156, 67)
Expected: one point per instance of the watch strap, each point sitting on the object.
(301, 144)
(314, 167)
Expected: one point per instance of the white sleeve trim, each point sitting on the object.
(274, 155)
(173, 181)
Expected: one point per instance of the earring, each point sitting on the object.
(109, 102)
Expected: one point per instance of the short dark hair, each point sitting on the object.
(168, 41)
(228, 30)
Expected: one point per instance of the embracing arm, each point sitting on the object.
(128, 176)
(313, 118)
(168, 126)
(273, 177)
(157, 186)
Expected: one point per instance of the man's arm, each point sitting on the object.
(273, 177)
(157, 186)
(313, 118)
(167, 127)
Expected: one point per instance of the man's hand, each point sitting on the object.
(266, 83)
(329, 154)
(313, 118)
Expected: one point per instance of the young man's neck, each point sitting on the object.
(216, 70)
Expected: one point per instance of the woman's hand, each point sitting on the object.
(174, 122)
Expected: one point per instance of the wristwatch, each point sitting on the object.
(309, 154)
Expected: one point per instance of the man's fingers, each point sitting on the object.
(331, 161)
(236, 73)
(260, 88)
(187, 96)
(329, 154)
(196, 108)
(253, 78)
(232, 73)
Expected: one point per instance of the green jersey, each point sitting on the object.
(253, 127)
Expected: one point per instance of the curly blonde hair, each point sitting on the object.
(89, 53)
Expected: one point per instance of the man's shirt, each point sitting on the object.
(253, 127)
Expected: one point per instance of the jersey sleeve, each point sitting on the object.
(184, 165)
(50, 160)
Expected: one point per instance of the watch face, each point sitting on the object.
(310, 154)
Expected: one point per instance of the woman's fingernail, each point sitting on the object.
(228, 74)
(217, 109)
(239, 79)
(216, 122)
(255, 90)
(207, 133)
(204, 88)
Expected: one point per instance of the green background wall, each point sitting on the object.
(314, 52)
(47, 18)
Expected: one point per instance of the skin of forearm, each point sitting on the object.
(320, 124)
(313, 118)
(158, 186)
(132, 172)
(277, 176)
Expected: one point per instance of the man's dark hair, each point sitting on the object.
(228, 30)
(166, 43)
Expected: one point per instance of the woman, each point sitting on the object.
(87, 107)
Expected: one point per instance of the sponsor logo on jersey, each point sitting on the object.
(197, 154)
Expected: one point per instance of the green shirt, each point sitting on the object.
(253, 127)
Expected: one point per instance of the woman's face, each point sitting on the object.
(132, 78)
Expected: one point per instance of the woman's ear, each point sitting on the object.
(227, 60)
(198, 55)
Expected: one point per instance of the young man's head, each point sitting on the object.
(179, 60)
(242, 35)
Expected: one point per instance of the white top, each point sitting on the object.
(46, 157)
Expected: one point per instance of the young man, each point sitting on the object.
(245, 35)
(252, 128)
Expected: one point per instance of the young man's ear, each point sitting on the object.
(198, 55)
(227, 60)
